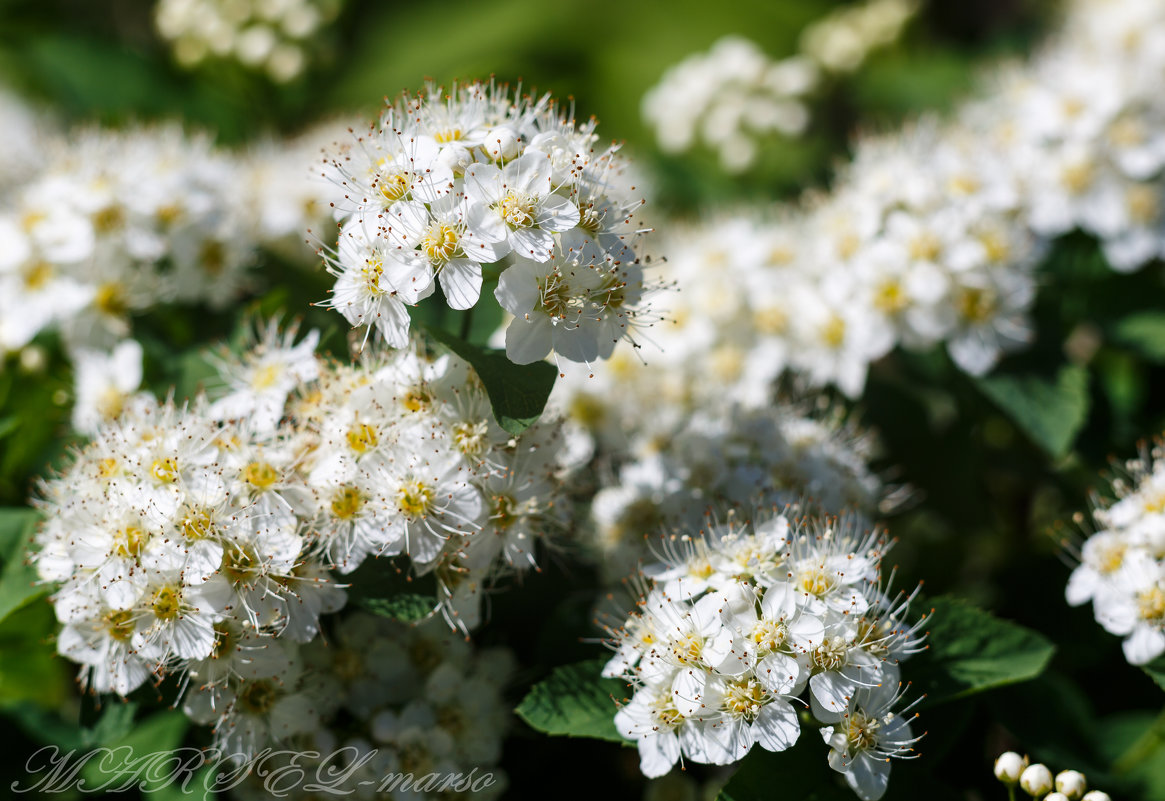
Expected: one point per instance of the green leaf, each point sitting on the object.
(125, 766)
(1050, 412)
(517, 392)
(18, 578)
(30, 669)
(801, 772)
(1156, 671)
(406, 607)
(971, 651)
(1144, 332)
(575, 701)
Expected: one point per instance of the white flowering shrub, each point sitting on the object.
(398, 460)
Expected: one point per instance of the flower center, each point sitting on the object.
(975, 305)
(471, 438)
(347, 502)
(415, 498)
(258, 697)
(197, 524)
(119, 624)
(166, 604)
(440, 243)
(831, 654)
(517, 209)
(260, 475)
(362, 438)
(165, 470)
(862, 732)
(266, 377)
(1151, 604)
(769, 636)
(743, 699)
(394, 186)
(130, 541)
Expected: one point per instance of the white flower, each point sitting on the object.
(869, 733)
(105, 384)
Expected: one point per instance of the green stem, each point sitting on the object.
(1010, 792)
(466, 323)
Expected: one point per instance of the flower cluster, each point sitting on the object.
(843, 40)
(726, 458)
(178, 530)
(739, 623)
(933, 236)
(381, 705)
(275, 36)
(1122, 565)
(444, 185)
(728, 98)
(114, 223)
(25, 131)
(1037, 781)
(734, 97)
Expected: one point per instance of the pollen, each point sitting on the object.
(166, 603)
(347, 502)
(440, 243)
(165, 470)
(260, 475)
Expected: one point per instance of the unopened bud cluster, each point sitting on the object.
(1037, 781)
(741, 622)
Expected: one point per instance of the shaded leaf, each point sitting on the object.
(407, 608)
(971, 651)
(18, 578)
(1156, 671)
(575, 701)
(126, 766)
(1143, 332)
(517, 392)
(1050, 412)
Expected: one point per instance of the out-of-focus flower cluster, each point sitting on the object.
(1122, 565)
(448, 183)
(740, 621)
(728, 98)
(933, 235)
(185, 541)
(843, 40)
(273, 36)
(103, 225)
(382, 705)
(734, 97)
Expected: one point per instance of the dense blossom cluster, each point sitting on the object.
(116, 222)
(179, 533)
(1122, 565)
(733, 457)
(382, 710)
(734, 97)
(739, 623)
(933, 236)
(446, 184)
(274, 36)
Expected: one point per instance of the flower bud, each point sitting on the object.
(1008, 766)
(502, 143)
(1036, 780)
(1096, 795)
(1056, 797)
(1071, 783)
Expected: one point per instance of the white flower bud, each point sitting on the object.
(1071, 783)
(1008, 766)
(1096, 795)
(1056, 797)
(1036, 780)
(502, 143)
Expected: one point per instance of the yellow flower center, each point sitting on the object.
(362, 438)
(165, 470)
(119, 624)
(130, 541)
(347, 502)
(440, 243)
(415, 498)
(975, 305)
(517, 209)
(166, 604)
(260, 475)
